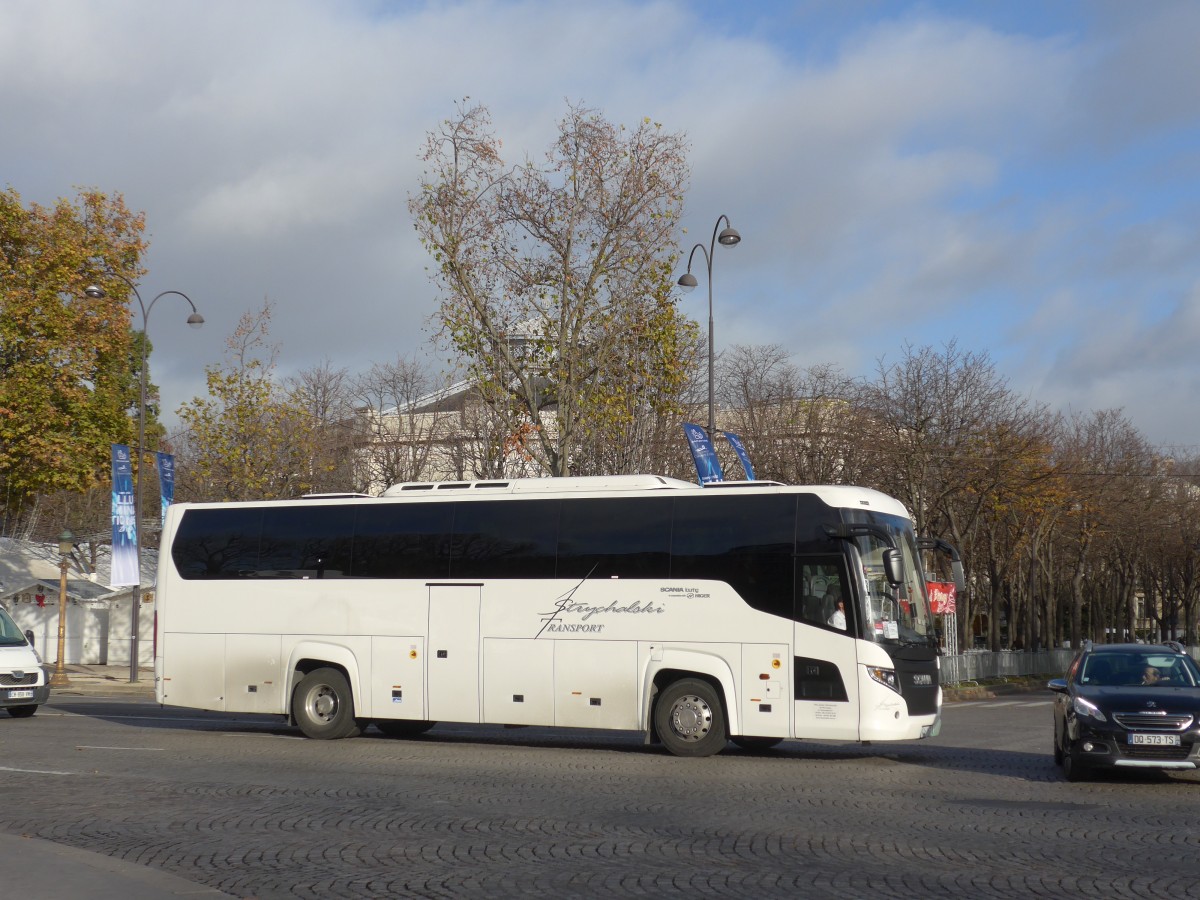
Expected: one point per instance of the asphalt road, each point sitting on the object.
(245, 806)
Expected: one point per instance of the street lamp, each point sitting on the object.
(727, 237)
(66, 543)
(195, 320)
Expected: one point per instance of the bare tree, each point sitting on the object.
(329, 423)
(412, 422)
(556, 277)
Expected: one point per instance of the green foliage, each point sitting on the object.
(66, 379)
(247, 440)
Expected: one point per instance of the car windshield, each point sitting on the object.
(1146, 669)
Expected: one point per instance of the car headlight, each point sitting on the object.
(886, 677)
(1087, 708)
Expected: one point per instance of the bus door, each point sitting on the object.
(452, 654)
(825, 668)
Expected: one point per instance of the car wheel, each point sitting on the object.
(403, 728)
(689, 720)
(22, 712)
(1073, 768)
(1058, 753)
(323, 706)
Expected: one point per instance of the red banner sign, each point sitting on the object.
(942, 595)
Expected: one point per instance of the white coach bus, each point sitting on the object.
(755, 612)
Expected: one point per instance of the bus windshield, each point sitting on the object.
(894, 614)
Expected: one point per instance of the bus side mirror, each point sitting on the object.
(960, 580)
(893, 567)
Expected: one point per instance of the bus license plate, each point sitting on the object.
(1155, 740)
(20, 695)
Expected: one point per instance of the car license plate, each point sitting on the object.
(1155, 740)
(20, 695)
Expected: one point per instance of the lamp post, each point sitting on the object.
(66, 542)
(727, 237)
(195, 320)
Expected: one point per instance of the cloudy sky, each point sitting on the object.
(1021, 177)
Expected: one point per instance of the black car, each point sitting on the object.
(1127, 706)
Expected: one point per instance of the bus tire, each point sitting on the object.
(403, 728)
(689, 719)
(323, 706)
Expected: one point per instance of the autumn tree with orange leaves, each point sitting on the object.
(68, 362)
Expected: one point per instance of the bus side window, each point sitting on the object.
(819, 587)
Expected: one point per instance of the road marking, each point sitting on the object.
(33, 771)
(122, 749)
(994, 704)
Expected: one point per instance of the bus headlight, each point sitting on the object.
(886, 677)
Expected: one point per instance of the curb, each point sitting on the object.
(991, 691)
(102, 680)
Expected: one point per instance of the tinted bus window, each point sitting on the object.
(505, 539)
(218, 543)
(623, 537)
(306, 541)
(402, 540)
(746, 541)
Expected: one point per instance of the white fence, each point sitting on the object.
(981, 664)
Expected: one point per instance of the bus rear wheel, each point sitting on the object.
(689, 720)
(323, 706)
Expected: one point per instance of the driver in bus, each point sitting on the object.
(838, 617)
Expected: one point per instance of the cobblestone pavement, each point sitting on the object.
(251, 809)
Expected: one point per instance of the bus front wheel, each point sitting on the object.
(323, 706)
(689, 720)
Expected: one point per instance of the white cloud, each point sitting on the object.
(917, 177)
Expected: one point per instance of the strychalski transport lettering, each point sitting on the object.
(749, 612)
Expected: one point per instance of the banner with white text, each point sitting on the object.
(125, 569)
(166, 481)
(708, 467)
(740, 449)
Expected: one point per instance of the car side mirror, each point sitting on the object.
(1058, 685)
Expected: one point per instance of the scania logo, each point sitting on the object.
(922, 679)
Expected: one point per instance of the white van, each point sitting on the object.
(23, 685)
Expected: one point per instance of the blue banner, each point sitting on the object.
(166, 481)
(703, 454)
(125, 569)
(740, 449)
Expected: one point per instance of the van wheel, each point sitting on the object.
(22, 712)
(403, 728)
(323, 706)
(689, 720)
